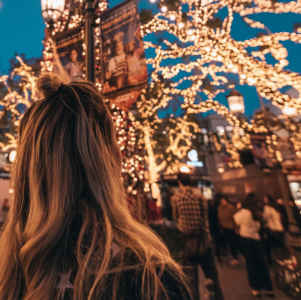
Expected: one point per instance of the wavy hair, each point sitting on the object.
(70, 207)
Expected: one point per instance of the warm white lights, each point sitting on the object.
(185, 169)
(164, 9)
(52, 10)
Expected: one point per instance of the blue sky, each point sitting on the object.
(22, 31)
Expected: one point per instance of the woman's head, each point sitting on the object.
(269, 200)
(69, 202)
(251, 203)
(224, 201)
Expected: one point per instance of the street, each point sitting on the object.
(234, 283)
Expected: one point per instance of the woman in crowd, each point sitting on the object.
(274, 228)
(248, 221)
(227, 227)
(69, 233)
(296, 212)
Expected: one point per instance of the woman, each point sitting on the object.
(227, 227)
(274, 228)
(248, 221)
(296, 212)
(69, 234)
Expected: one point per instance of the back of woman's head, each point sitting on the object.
(251, 203)
(270, 200)
(69, 203)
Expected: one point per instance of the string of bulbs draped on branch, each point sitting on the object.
(192, 29)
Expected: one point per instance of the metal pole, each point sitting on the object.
(89, 35)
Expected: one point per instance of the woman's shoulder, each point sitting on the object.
(131, 285)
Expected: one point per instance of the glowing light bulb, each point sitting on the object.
(189, 32)
(172, 17)
(164, 9)
(181, 25)
(185, 169)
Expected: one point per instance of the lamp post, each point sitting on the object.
(89, 20)
(52, 10)
(236, 102)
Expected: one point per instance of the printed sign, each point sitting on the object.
(124, 72)
(68, 60)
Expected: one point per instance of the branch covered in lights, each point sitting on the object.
(212, 53)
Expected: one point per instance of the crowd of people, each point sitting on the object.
(254, 229)
(272, 217)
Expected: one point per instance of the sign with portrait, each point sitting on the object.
(124, 69)
(68, 60)
(260, 151)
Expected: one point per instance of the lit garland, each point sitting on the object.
(17, 102)
(133, 165)
(13, 101)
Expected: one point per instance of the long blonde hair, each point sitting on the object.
(69, 205)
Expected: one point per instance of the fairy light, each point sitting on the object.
(133, 164)
(164, 9)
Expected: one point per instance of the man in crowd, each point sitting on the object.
(226, 212)
(190, 211)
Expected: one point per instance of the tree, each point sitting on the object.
(194, 57)
(17, 91)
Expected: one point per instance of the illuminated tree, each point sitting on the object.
(194, 57)
(17, 92)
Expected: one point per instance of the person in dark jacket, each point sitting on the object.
(190, 212)
(214, 226)
(296, 212)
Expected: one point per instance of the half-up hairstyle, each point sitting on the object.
(70, 209)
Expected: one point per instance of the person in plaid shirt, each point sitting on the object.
(190, 211)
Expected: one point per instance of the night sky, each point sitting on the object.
(22, 31)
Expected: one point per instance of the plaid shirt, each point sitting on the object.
(186, 208)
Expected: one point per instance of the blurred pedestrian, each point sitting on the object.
(296, 212)
(226, 212)
(190, 211)
(70, 233)
(214, 226)
(248, 221)
(274, 229)
(283, 214)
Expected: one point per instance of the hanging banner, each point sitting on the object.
(124, 70)
(68, 60)
(260, 151)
